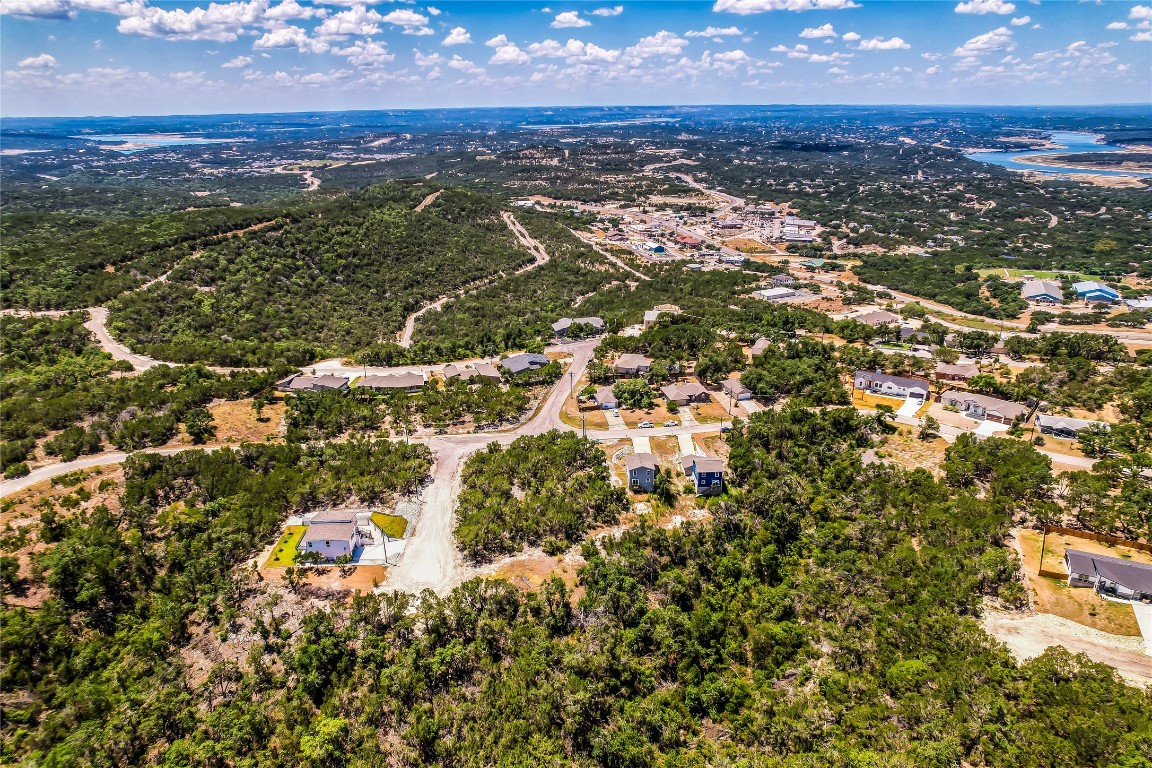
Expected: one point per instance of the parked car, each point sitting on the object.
(672, 423)
(646, 425)
(615, 411)
(725, 429)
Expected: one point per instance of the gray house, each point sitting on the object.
(890, 386)
(986, 408)
(631, 364)
(735, 389)
(399, 382)
(1110, 576)
(1063, 426)
(1043, 291)
(642, 469)
(330, 534)
(482, 371)
(298, 382)
(526, 361)
(606, 398)
(878, 317)
(561, 326)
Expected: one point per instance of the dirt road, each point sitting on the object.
(596, 247)
(427, 201)
(97, 324)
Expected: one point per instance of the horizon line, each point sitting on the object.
(969, 106)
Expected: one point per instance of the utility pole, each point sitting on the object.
(583, 426)
(1043, 545)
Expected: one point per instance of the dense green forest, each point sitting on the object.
(55, 379)
(340, 279)
(542, 490)
(825, 616)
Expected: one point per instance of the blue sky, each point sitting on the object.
(118, 57)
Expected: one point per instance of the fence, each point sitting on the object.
(1098, 537)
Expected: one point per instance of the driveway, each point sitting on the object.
(615, 420)
(641, 444)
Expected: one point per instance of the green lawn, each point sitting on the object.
(392, 525)
(284, 553)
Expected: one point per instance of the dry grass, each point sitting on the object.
(748, 245)
(869, 400)
(906, 450)
(1081, 605)
(531, 569)
(236, 423)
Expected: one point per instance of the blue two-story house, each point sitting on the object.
(707, 473)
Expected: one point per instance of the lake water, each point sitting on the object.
(1072, 141)
(137, 142)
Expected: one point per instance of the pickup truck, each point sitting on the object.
(645, 425)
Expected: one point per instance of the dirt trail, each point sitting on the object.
(404, 338)
(427, 201)
(1027, 635)
(596, 247)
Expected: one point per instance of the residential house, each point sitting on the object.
(783, 279)
(685, 394)
(606, 399)
(630, 364)
(732, 258)
(914, 336)
(525, 361)
(652, 315)
(1110, 576)
(403, 382)
(1093, 292)
(298, 382)
(687, 241)
(330, 534)
(1043, 291)
(561, 326)
(707, 474)
(957, 372)
(617, 237)
(736, 390)
(877, 317)
(484, 371)
(780, 293)
(985, 408)
(642, 469)
(1063, 426)
(890, 386)
(759, 346)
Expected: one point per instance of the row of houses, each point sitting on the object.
(707, 472)
(411, 382)
(971, 404)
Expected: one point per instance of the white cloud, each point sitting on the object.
(1140, 12)
(930, 56)
(981, 7)
(850, 37)
(837, 71)
(1117, 25)
(574, 52)
(429, 60)
(497, 42)
(38, 9)
(745, 7)
(222, 22)
(365, 54)
(615, 10)
(933, 70)
(880, 44)
(509, 54)
(1021, 21)
(41, 63)
(290, 10)
(237, 63)
(999, 39)
(714, 32)
(357, 21)
(458, 36)
(824, 30)
(1142, 37)
(663, 43)
(465, 66)
(433, 11)
(569, 19)
(412, 22)
(290, 37)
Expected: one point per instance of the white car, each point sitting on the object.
(672, 423)
(646, 425)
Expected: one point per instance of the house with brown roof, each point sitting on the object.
(684, 394)
(479, 371)
(878, 317)
(735, 389)
(953, 372)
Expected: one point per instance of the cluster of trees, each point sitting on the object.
(318, 415)
(821, 586)
(543, 490)
(804, 370)
(334, 281)
(56, 379)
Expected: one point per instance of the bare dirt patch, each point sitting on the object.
(906, 450)
(236, 423)
(1055, 597)
(529, 570)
